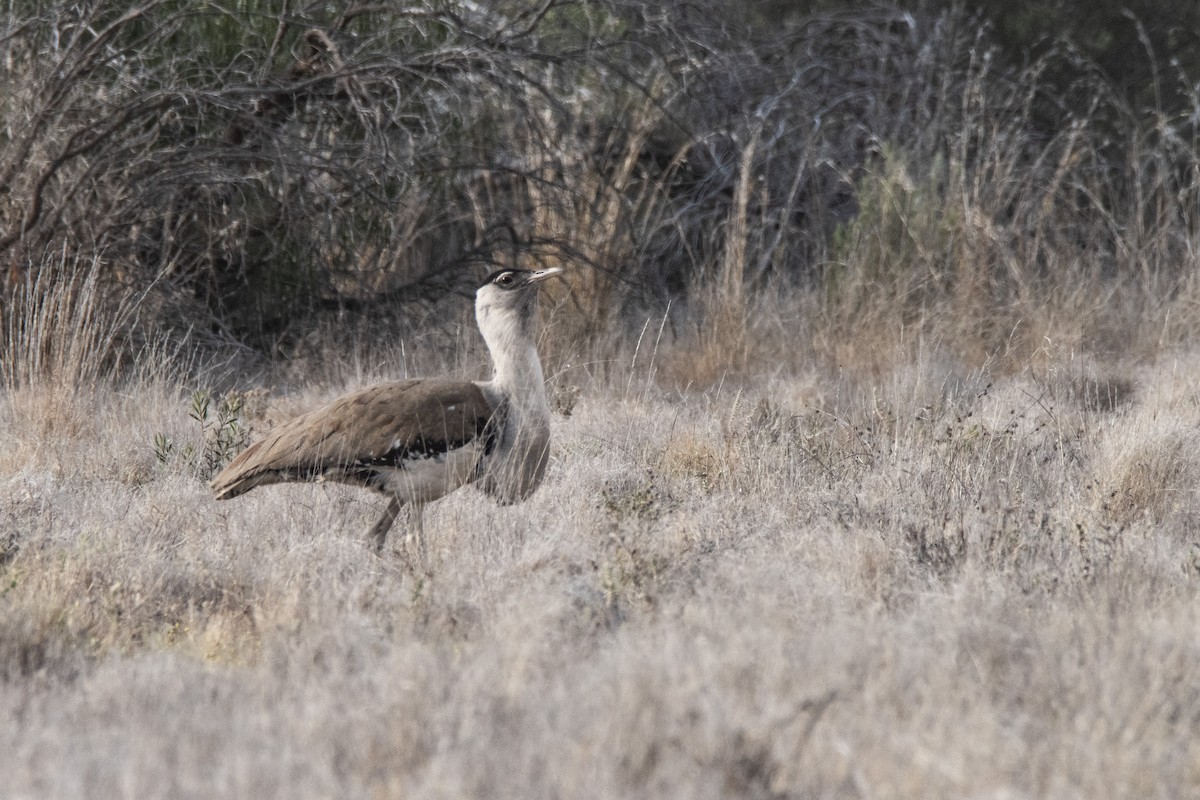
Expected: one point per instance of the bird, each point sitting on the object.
(417, 440)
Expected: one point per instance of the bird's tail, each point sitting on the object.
(242, 475)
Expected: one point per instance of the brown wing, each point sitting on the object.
(382, 426)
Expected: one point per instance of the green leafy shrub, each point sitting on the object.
(220, 436)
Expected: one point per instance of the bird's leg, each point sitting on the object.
(380, 531)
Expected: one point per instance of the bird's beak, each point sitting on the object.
(542, 274)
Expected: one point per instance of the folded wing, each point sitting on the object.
(372, 438)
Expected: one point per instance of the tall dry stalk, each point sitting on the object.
(593, 213)
(726, 307)
(59, 330)
(62, 337)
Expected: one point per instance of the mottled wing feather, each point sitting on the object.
(382, 426)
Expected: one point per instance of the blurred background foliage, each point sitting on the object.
(241, 172)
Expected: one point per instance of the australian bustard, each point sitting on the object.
(417, 440)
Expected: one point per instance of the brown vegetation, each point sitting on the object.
(874, 467)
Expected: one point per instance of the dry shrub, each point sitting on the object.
(692, 455)
(596, 213)
(93, 604)
(1146, 468)
(319, 161)
(860, 176)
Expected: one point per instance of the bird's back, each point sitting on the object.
(375, 437)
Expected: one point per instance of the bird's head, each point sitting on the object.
(506, 303)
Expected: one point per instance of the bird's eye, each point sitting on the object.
(505, 280)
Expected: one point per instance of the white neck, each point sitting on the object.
(517, 371)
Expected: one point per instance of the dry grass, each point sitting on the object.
(935, 582)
